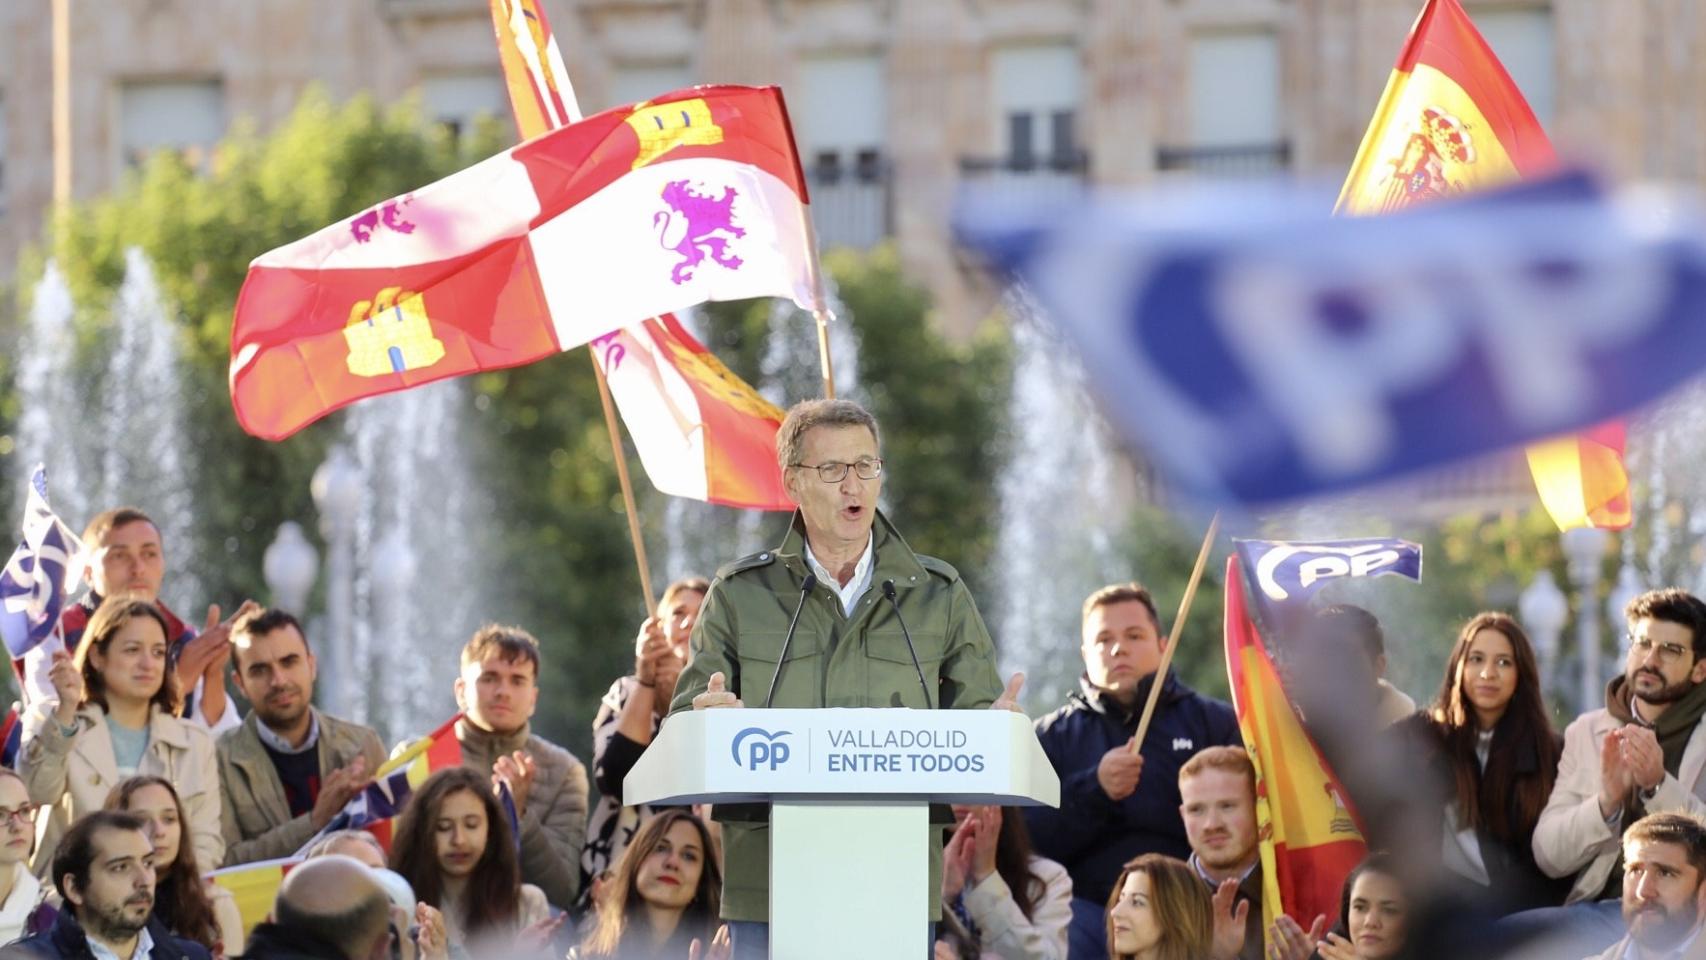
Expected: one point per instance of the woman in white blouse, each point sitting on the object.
(1001, 901)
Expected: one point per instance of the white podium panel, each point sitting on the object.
(752, 755)
(850, 818)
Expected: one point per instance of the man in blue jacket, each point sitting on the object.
(1116, 804)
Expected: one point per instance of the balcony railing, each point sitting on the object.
(1245, 160)
(1028, 179)
(851, 207)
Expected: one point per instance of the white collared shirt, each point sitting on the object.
(283, 746)
(856, 585)
(144, 947)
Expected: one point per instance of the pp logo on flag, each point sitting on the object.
(762, 747)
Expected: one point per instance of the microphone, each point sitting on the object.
(888, 591)
(805, 591)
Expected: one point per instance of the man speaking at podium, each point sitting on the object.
(841, 614)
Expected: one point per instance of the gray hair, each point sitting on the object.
(807, 414)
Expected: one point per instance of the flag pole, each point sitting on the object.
(627, 485)
(1173, 637)
(820, 309)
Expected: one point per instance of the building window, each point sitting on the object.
(636, 82)
(184, 116)
(1236, 124)
(839, 111)
(1523, 39)
(456, 101)
(840, 114)
(1037, 91)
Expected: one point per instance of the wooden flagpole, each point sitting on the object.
(820, 311)
(628, 504)
(1173, 636)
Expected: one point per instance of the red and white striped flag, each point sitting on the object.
(632, 213)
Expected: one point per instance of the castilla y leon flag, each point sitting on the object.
(1304, 820)
(701, 431)
(1452, 121)
(632, 213)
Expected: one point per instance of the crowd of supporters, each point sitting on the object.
(1490, 834)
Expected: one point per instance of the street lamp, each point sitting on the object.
(1585, 548)
(289, 567)
(338, 490)
(1544, 610)
(1629, 586)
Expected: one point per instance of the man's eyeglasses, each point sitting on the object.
(834, 471)
(1668, 652)
(25, 814)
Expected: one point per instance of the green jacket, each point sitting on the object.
(835, 660)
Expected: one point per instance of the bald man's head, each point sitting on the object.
(337, 899)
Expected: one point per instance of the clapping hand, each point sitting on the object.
(722, 947)
(1230, 914)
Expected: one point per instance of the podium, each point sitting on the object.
(849, 793)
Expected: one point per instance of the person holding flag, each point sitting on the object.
(1119, 798)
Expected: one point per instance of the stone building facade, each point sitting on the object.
(895, 103)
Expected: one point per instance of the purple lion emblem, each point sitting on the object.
(706, 225)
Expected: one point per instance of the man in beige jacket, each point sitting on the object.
(1643, 752)
(287, 769)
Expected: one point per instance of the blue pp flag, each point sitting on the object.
(40, 574)
(1284, 575)
(1260, 350)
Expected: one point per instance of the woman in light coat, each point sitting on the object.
(999, 900)
(116, 717)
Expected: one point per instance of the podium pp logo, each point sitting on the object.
(761, 747)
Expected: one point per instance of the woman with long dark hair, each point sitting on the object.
(115, 716)
(664, 893)
(1001, 900)
(187, 905)
(454, 845)
(1497, 754)
(1374, 912)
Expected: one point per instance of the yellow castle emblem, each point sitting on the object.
(391, 334)
(662, 127)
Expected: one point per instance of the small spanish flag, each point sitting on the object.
(1305, 822)
(254, 886)
(1451, 122)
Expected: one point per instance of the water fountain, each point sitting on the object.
(1055, 543)
(417, 564)
(119, 437)
(49, 424)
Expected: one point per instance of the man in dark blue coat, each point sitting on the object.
(1116, 804)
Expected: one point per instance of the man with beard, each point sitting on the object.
(1664, 889)
(104, 868)
(1644, 752)
(288, 769)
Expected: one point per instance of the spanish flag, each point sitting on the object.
(1308, 830)
(1450, 122)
